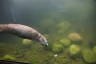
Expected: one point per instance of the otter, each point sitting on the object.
(23, 31)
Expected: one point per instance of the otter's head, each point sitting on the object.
(43, 40)
(40, 38)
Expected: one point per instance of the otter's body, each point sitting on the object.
(23, 32)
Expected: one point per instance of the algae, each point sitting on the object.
(9, 57)
(65, 42)
(74, 36)
(61, 45)
(74, 49)
(26, 41)
(88, 55)
(57, 48)
(94, 50)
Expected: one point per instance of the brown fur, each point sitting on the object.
(23, 31)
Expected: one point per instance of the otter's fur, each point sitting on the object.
(23, 31)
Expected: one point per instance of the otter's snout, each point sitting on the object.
(45, 45)
(43, 41)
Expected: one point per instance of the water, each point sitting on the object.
(68, 25)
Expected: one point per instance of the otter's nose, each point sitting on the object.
(45, 45)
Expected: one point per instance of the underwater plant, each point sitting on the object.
(74, 49)
(34, 59)
(65, 42)
(63, 26)
(74, 36)
(9, 57)
(26, 41)
(57, 48)
(94, 50)
(88, 55)
(46, 35)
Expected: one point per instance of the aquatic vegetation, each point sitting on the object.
(94, 50)
(63, 26)
(9, 57)
(46, 25)
(74, 49)
(46, 35)
(61, 58)
(57, 48)
(65, 42)
(88, 55)
(26, 41)
(74, 36)
(34, 59)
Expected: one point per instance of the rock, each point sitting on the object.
(26, 41)
(74, 36)
(94, 50)
(88, 55)
(57, 48)
(65, 42)
(74, 49)
(9, 57)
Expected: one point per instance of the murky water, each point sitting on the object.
(68, 25)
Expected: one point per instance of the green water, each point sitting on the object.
(56, 24)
